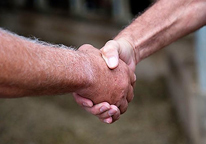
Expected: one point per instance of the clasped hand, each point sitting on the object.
(110, 90)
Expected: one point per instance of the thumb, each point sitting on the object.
(110, 54)
(82, 101)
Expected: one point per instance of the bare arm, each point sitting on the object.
(160, 25)
(163, 23)
(31, 68)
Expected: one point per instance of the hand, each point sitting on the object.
(104, 111)
(114, 86)
(114, 50)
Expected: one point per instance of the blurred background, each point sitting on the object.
(161, 112)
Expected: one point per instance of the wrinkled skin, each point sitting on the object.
(112, 86)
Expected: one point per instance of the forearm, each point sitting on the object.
(29, 68)
(163, 23)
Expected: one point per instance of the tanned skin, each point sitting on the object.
(30, 68)
(163, 23)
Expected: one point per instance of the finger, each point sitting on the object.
(130, 94)
(118, 103)
(84, 102)
(113, 118)
(132, 77)
(116, 116)
(110, 54)
(123, 106)
(107, 120)
(98, 108)
(126, 53)
(111, 112)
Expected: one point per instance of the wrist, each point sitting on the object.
(85, 71)
(62, 71)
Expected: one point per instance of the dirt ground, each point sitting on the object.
(150, 118)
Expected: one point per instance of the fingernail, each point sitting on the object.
(113, 62)
(103, 109)
(86, 104)
(111, 112)
(107, 121)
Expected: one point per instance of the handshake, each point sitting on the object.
(111, 79)
(101, 81)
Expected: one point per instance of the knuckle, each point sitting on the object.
(109, 46)
(106, 50)
(130, 95)
(130, 98)
(116, 117)
(111, 42)
(123, 107)
(85, 47)
(123, 110)
(124, 85)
